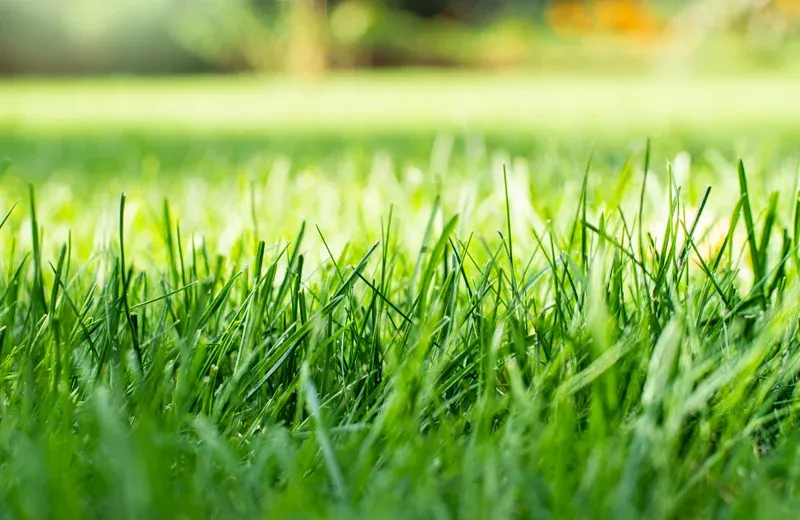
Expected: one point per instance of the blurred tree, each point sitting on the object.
(88, 36)
(308, 46)
(306, 37)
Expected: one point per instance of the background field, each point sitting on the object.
(90, 139)
(410, 101)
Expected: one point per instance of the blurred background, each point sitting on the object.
(312, 79)
(149, 95)
(313, 37)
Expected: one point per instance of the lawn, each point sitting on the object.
(406, 101)
(399, 297)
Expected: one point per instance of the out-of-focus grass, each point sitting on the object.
(407, 102)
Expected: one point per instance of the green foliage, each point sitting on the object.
(461, 335)
(166, 36)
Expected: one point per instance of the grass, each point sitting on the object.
(398, 327)
(407, 102)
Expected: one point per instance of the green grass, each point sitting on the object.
(408, 102)
(398, 326)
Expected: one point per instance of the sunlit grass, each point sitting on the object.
(355, 328)
(403, 102)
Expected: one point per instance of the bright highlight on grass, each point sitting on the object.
(445, 346)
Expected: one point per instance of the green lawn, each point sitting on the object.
(407, 102)
(399, 297)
